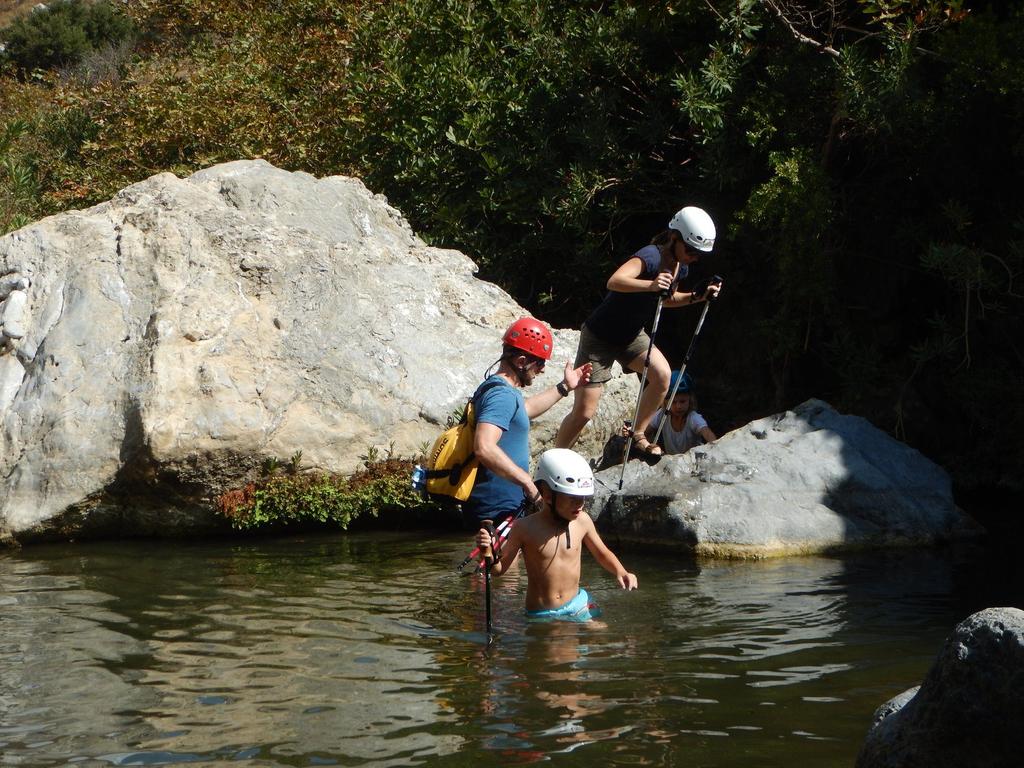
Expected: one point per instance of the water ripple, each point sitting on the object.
(370, 650)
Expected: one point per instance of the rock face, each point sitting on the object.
(809, 480)
(968, 711)
(155, 349)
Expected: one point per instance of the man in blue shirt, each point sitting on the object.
(502, 438)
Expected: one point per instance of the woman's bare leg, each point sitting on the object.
(658, 377)
(584, 405)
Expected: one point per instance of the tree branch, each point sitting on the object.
(823, 47)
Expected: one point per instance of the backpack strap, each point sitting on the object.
(489, 384)
(455, 472)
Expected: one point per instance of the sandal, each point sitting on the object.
(646, 446)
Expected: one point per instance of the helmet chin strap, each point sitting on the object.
(559, 519)
(491, 368)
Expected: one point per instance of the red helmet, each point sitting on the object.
(530, 336)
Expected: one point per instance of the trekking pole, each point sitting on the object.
(689, 351)
(643, 380)
(488, 562)
(503, 529)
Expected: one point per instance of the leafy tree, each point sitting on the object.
(518, 130)
(905, 155)
(862, 159)
(61, 33)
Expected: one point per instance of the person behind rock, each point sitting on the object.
(684, 428)
(551, 541)
(614, 331)
(503, 415)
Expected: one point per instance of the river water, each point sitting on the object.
(369, 649)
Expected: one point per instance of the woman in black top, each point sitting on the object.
(615, 329)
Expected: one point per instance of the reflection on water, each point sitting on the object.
(369, 650)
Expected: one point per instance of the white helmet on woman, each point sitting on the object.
(695, 227)
(566, 471)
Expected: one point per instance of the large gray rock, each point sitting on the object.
(968, 711)
(808, 480)
(156, 348)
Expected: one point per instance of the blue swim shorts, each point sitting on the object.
(578, 609)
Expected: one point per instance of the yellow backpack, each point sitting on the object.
(452, 465)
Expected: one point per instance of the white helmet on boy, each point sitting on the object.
(566, 472)
(695, 227)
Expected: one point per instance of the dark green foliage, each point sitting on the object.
(63, 33)
(525, 132)
(18, 184)
(884, 240)
(290, 498)
(67, 130)
(865, 167)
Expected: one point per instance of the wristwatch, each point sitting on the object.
(563, 390)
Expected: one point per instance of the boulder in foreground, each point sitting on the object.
(968, 711)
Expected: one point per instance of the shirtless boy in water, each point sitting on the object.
(552, 538)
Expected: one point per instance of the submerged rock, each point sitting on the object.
(157, 348)
(969, 708)
(808, 480)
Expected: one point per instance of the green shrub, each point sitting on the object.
(18, 181)
(63, 34)
(282, 499)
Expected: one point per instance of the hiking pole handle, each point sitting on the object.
(715, 280)
(666, 292)
(488, 552)
(502, 531)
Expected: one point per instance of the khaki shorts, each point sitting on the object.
(601, 355)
